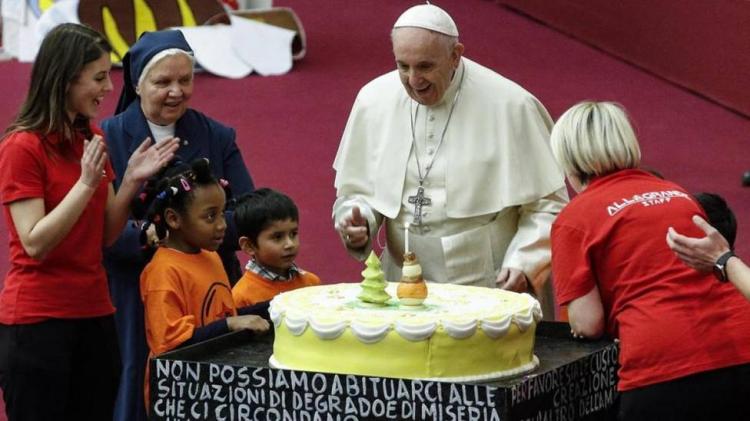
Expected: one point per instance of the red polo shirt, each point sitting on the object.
(70, 281)
(672, 321)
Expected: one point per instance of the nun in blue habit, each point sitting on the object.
(158, 84)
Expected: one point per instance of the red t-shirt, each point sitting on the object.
(672, 321)
(70, 281)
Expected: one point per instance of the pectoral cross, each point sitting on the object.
(419, 200)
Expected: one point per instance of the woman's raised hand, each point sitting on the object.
(93, 160)
(149, 158)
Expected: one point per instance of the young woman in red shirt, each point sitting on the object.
(59, 357)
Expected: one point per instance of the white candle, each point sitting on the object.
(406, 237)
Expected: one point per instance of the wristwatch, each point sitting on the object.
(720, 267)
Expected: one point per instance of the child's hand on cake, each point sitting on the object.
(249, 322)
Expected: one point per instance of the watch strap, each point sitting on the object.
(721, 265)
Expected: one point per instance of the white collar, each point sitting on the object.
(161, 132)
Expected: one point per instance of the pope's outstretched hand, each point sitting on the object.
(353, 229)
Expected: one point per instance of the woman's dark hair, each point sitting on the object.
(255, 211)
(172, 188)
(65, 51)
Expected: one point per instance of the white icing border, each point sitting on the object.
(497, 375)
(372, 333)
(497, 328)
(276, 316)
(296, 326)
(415, 333)
(328, 331)
(369, 334)
(460, 330)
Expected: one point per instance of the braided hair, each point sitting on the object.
(172, 188)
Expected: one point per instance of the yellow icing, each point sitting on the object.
(441, 355)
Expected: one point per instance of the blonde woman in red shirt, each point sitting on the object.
(683, 335)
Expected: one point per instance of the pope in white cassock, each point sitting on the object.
(456, 154)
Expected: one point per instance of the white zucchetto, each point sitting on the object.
(430, 17)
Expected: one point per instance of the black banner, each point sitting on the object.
(583, 389)
(183, 390)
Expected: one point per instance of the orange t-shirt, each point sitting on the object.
(182, 292)
(253, 288)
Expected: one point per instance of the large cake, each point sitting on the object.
(458, 333)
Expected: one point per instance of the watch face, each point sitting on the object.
(720, 267)
(720, 273)
(717, 272)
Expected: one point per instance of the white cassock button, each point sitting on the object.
(430, 151)
(430, 136)
(432, 118)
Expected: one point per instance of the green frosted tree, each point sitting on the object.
(373, 284)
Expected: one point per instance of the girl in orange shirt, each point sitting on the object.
(186, 294)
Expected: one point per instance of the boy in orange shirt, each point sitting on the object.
(268, 225)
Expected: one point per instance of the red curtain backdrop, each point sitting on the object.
(701, 45)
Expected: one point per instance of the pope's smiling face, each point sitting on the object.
(426, 62)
